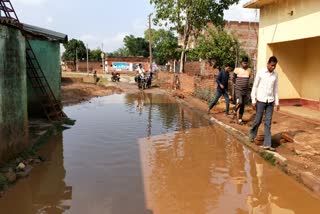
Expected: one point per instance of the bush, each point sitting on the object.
(205, 94)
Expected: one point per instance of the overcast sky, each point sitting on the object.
(98, 22)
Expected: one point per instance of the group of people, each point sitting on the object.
(264, 95)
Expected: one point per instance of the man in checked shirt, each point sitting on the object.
(264, 97)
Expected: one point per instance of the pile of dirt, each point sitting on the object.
(76, 92)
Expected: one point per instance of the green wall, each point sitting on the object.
(13, 93)
(48, 55)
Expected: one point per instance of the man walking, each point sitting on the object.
(241, 76)
(222, 88)
(264, 96)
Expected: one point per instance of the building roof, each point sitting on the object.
(48, 34)
(36, 31)
(257, 3)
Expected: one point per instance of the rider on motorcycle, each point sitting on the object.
(140, 73)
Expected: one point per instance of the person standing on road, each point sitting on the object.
(222, 88)
(241, 76)
(264, 96)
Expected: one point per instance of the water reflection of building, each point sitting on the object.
(45, 191)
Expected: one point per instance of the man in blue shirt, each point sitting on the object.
(222, 88)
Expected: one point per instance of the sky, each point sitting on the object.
(98, 22)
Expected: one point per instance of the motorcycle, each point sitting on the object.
(141, 80)
(115, 77)
(149, 80)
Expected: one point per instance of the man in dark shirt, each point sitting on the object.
(222, 88)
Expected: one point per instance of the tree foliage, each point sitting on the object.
(165, 45)
(121, 52)
(95, 55)
(217, 46)
(72, 47)
(189, 17)
(136, 46)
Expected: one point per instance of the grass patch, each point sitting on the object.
(269, 157)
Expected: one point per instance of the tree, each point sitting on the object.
(72, 47)
(217, 46)
(189, 17)
(165, 45)
(121, 52)
(136, 46)
(95, 55)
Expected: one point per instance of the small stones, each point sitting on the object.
(21, 166)
(25, 172)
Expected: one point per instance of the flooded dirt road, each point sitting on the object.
(145, 154)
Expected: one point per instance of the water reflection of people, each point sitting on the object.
(140, 100)
(45, 191)
(261, 201)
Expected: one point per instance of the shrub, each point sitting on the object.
(204, 94)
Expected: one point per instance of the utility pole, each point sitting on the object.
(87, 59)
(76, 59)
(150, 42)
(102, 57)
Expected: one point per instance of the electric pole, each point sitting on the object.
(102, 57)
(87, 59)
(150, 42)
(76, 59)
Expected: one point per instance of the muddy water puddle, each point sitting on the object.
(145, 154)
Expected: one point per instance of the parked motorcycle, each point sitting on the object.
(115, 77)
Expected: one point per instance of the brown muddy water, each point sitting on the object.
(144, 154)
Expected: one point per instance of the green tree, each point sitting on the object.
(121, 52)
(72, 47)
(136, 46)
(165, 45)
(189, 17)
(217, 46)
(95, 55)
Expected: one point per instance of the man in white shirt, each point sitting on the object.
(264, 97)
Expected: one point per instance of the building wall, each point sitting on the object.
(310, 88)
(247, 34)
(277, 25)
(48, 55)
(82, 67)
(289, 68)
(288, 31)
(13, 93)
(130, 60)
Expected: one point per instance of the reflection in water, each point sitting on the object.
(204, 171)
(45, 191)
(187, 166)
